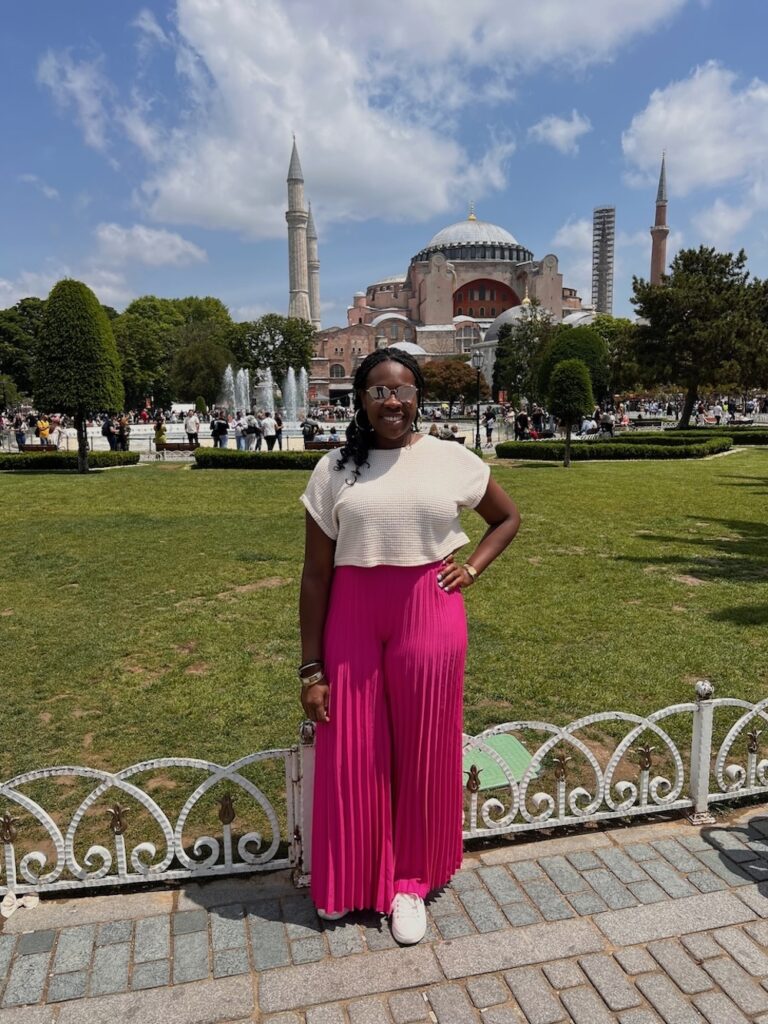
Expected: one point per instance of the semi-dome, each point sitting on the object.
(509, 316)
(472, 232)
(410, 347)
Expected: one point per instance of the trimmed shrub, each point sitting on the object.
(225, 458)
(739, 435)
(583, 451)
(44, 462)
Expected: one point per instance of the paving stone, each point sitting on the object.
(743, 950)
(190, 957)
(520, 914)
(36, 942)
(566, 845)
(585, 1006)
(671, 881)
(219, 892)
(301, 920)
(729, 872)
(706, 881)
(153, 939)
(26, 980)
(642, 1016)
(28, 1015)
(701, 946)
(625, 869)
(736, 983)
(455, 925)
(564, 974)
(675, 962)
(368, 1011)
(333, 1014)
(563, 874)
(610, 981)
(227, 927)
(200, 1002)
(587, 903)
(285, 1018)
(729, 841)
(462, 881)
(378, 936)
(677, 855)
(759, 931)
(110, 969)
(536, 999)
(483, 911)
(583, 860)
(269, 943)
(306, 951)
(67, 986)
(548, 900)
(114, 931)
(74, 949)
(501, 1015)
(607, 885)
(487, 991)
(526, 871)
(647, 891)
(56, 914)
(635, 960)
(229, 962)
(444, 902)
(501, 884)
(343, 938)
(408, 1008)
(641, 852)
(674, 917)
(154, 974)
(758, 870)
(718, 1009)
(7, 943)
(664, 997)
(190, 921)
(755, 898)
(694, 842)
(350, 977)
(450, 1005)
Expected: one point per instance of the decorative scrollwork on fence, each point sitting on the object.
(514, 806)
(55, 864)
(747, 778)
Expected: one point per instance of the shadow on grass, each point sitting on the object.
(742, 615)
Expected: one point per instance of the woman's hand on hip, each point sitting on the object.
(314, 700)
(451, 576)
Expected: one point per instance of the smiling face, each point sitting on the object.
(391, 419)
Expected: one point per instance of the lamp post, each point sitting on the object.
(477, 362)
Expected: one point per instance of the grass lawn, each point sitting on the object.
(152, 611)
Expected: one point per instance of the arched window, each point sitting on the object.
(493, 312)
(337, 370)
(459, 312)
(470, 312)
(393, 331)
(482, 311)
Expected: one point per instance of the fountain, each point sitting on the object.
(265, 392)
(303, 392)
(289, 396)
(228, 397)
(243, 391)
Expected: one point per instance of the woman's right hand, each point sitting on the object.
(314, 700)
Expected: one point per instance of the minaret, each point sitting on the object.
(297, 216)
(313, 266)
(659, 231)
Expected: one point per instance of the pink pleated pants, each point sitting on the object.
(387, 812)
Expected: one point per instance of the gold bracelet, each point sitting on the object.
(311, 680)
(471, 571)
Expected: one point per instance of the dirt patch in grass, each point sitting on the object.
(45, 717)
(186, 648)
(689, 581)
(679, 608)
(160, 782)
(535, 560)
(6, 611)
(198, 669)
(87, 742)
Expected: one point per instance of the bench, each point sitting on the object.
(460, 438)
(322, 446)
(647, 423)
(24, 448)
(174, 446)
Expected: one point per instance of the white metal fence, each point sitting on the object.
(125, 830)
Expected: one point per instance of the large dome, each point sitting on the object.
(472, 232)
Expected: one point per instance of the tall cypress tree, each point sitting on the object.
(77, 369)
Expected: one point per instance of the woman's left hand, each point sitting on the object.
(452, 576)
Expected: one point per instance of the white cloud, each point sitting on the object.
(575, 236)
(561, 132)
(150, 31)
(82, 85)
(254, 312)
(47, 190)
(151, 246)
(721, 222)
(110, 287)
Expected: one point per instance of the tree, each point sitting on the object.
(198, 369)
(702, 326)
(570, 396)
(582, 343)
(9, 395)
(618, 334)
(447, 379)
(516, 351)
(77, 367)
(19, 332)
(275, 342)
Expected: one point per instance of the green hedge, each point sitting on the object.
(739, 435)
(231, 458)
(67, 461)
(554, 451)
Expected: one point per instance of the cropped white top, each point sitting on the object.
(404, 507)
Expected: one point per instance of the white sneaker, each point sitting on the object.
(332, 917)
(408, 920)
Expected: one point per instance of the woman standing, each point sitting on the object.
(383, 634)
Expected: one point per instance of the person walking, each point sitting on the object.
(279, 430)
(269, 430)
(43, 429)
(20, 430)
(383, 638)
(192, 427)
(489, 421)
(241, 435)
(219, 430)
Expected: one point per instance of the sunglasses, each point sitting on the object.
(403, 393)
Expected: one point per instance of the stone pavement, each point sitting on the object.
(651, 923)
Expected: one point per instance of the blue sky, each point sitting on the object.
(147, 144)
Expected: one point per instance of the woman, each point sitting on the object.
(383, 635)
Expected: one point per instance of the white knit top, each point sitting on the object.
(403, 509)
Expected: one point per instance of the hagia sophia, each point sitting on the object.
(468, 280)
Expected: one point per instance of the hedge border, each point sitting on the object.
(231, 458)
(64, 462)
(593, 451)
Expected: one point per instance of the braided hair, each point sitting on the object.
(360, 431)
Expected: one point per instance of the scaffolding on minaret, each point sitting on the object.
(603, 242)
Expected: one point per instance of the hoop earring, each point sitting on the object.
(361, 427)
